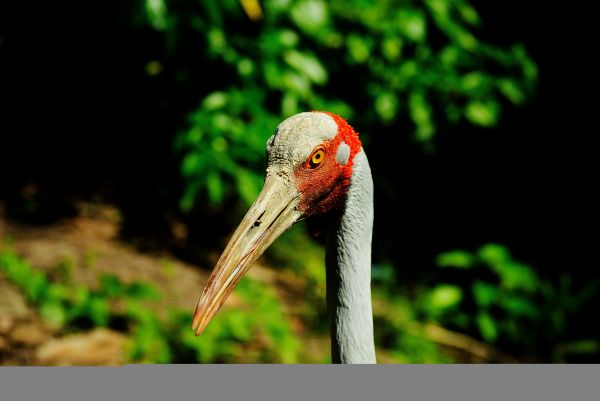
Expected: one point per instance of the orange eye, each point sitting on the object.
(317, 157)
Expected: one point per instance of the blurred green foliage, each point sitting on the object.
(487, 295)
(296, 252)
(503, 301)
(236, 69)
(371, 62)
(260, 333)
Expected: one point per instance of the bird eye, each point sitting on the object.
(317, 157)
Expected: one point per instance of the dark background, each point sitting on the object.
(78, 122)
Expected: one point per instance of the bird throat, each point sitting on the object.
(348, 264)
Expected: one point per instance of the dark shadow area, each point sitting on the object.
(84, 118)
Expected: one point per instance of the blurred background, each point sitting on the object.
(132, 139)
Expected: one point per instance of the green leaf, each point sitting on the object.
(111, 286)
(386, 105)
(511, 90)
(217, 40)
(391, 48)
(421, 115)
(359, 48)
(469, 14)
(484, 113)
(310, 15)
(445, 296)
(485, 294)
(289, 104)
(519, 306)
(297, 83)
(191, 164)
(475, 82)
(214, 187)
(156, 12)
(54, 313)
(215, 100)
(287, 38)
(458, 259)
(57, 293)
(189, 196)
(412, 23)
(308, 64)
(99, 311)
(36, 286)
(515, 275)
(487, 327)
(245, 67)
(494, 253)
(140, 291)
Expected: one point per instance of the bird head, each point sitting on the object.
(309, 166)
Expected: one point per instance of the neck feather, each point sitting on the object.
(348, 263)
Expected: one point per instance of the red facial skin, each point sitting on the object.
(324, 186)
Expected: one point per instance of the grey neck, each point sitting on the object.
(348, 263)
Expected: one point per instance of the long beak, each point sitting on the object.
(273, 212)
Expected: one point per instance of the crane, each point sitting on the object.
(316, 171)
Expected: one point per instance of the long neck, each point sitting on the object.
(348, 263)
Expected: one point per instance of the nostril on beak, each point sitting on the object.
(258, 222)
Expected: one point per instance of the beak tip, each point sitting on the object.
(197, 321)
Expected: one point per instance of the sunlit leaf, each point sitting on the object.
(297, 83)
(412, 22)
(53, 313)
(310, 15)
(156, 11)
(482, 113)
(445, 296)
(215, 100)
(287, 38)
(308, 64)
(289, 104)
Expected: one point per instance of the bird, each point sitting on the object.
(317, 171)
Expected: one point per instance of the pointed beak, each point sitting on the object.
(273, 212)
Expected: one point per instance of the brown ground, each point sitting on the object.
(91, 245)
